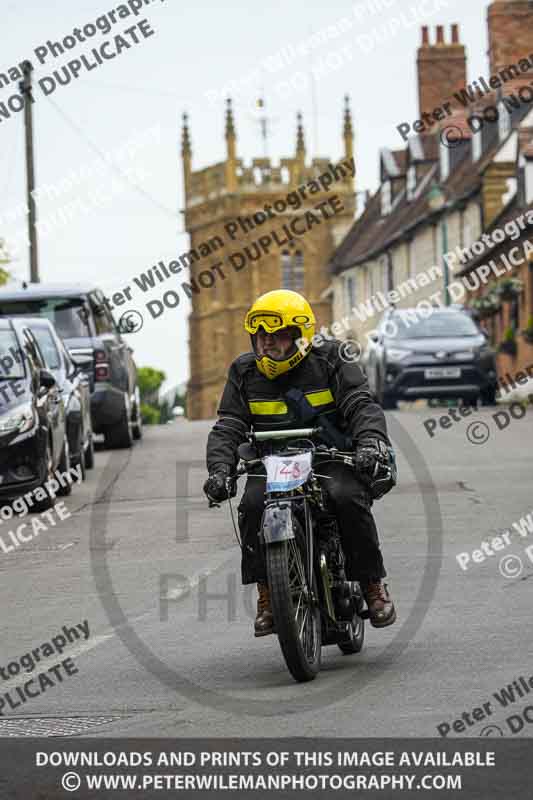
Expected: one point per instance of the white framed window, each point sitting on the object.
(529, 181)
(444, 162)
(349, 293)
(411, 182)
(477, 146)
(504, 122)
(386, 198)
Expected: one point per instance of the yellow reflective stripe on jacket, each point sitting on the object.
(321, 398)
(273, 407)
(268, 407)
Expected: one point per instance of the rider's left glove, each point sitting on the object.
(376, 464)
(219, 486)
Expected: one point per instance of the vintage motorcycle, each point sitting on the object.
(313, 603)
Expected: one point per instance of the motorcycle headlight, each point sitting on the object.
(397, 354)
(20, 419)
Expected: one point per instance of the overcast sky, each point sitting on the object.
(197, 52)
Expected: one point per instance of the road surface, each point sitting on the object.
(171, 652)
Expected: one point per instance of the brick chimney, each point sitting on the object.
(441, 68)
(510, 27)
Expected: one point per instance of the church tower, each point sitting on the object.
(244, 250)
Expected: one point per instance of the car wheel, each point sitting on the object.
(120, 436)
(469, 401)
(50, 500)
(386, 400)
(389, 402)
(64, 468)
(138, 424)
(79, 461)
(488, 396)
(89, 453)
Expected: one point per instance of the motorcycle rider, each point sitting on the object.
(286, 382)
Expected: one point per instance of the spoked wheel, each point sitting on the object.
(355, 634)
(296, 614)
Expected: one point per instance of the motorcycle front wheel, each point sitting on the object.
(294, 607)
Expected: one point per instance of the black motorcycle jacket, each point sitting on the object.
(336, 389)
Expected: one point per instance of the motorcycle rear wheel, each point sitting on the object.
(296, 615)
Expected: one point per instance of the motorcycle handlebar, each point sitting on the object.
(332, 452)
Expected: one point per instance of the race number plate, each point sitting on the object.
(287, 472)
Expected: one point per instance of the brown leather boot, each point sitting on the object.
(380, 606)
(264, 620)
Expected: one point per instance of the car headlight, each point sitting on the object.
(396, 354)
(20, 419)
(464, 355)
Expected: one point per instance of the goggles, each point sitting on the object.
(270, 321)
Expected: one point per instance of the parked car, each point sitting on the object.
(84, 322)
(443, 355)
(73, 384)
(33, 439)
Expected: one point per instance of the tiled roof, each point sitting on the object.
(510, 212)
(372, 234)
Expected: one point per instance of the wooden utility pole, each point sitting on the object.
(26, 89)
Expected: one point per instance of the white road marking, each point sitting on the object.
(44, 663)
(175, 594)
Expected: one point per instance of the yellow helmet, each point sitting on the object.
(274, 311)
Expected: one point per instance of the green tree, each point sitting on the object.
(150, 414)
(4, 259)
(150, 381)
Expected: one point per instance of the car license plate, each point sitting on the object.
(442, 372)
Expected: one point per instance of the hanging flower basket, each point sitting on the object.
(487, 305)
(510, 288)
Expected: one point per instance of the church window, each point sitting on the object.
(292, 270)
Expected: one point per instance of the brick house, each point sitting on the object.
(467, 170)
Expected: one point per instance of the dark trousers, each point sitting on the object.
(348, 499)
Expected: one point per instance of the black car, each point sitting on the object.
(85, 323)
(33, 442)
(442, 354)
(74, 385)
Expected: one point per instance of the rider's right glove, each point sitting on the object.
(216, 486)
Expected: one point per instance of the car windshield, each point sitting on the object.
(66, 313)
(439, 325)
(11, 358)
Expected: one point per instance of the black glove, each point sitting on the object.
(219, 486)
(376, 465)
